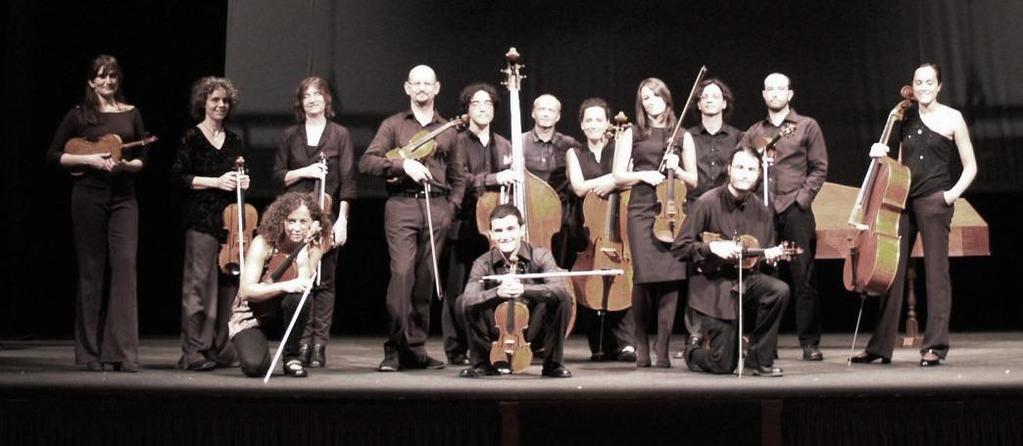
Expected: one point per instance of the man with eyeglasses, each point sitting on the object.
(481, 147)
(715, 141)
(405, 226)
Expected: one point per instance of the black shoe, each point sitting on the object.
(458, 359)
(389, 364)
(94, 366)
(503, 368)
(303, 353)
(693, 342)
(125, 367)
(768, 371)
(479, 370)
(425, 362)
(867, 358)
(294, 369)
(930, 359)
(812, 353)
(626, 354)
(555, 371)
(318, 358)
(202, 365)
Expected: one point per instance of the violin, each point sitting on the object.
(607, 245)
(751, 251)
(324, 198)
(282, 266)
(874, 253)
(240, 220)
(511, 318)
(671, 193)
(110, 143)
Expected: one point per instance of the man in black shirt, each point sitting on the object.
(547, 299)
(726, 211)
(405, 213)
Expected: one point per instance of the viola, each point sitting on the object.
(511, 318)
(751, 254)
(607, 245)
(874, 253)
(671, 193)
(110, 143)
(322, 196)
(539, 204)
(240, 220)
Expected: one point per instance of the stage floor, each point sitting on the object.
(978, 364)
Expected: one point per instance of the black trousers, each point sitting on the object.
(933, 218)
(251, 344)
(551, 316)
(764, 294)
(607, 333)
(106, 235)
(206, 296)
(321, 302)
(411, 285)
(464, 245)
(797, 225)
(647, 299)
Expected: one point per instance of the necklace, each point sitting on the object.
(213, 133)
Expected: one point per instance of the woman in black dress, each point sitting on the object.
(656, 272)
(104, 214)
(205, 167)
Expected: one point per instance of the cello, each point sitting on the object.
(240, 222)
(873, 256)
(671, 193)
(535, 199)
(606, 247)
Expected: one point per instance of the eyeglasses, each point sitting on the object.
(420, 84)
(478, 104)
(710, 96)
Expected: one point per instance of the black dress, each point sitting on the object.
(652, 260)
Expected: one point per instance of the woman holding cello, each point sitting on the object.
(205, 167)
(316, 156)
(104, 214)
(589, 173)
(656, 272)
(930, 136)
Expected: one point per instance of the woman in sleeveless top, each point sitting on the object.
(657, 271)
(931, 135)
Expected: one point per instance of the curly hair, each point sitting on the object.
(271, 227)
(465, 97)
(203, 88)
(726, 95)
(320, 84)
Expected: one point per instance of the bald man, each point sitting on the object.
(405, 225)
(797, 173)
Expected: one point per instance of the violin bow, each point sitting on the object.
(433, 243)
(291, 326)
(682, 116)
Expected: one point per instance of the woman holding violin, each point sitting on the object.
(280, 266)
(930, 136)
(589, 172)
(104, 214)
(205, 167)
(316, 156)
(656, 272)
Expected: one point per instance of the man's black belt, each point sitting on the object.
(419, 194)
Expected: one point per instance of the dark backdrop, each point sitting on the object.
(846, 62)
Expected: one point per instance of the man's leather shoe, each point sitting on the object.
(303, 353)
(556, 371)
(627, 354)
(479, 370)
(930, 359)
(503, 368)
(426, 362)
(768, 371)
(203, 365)
(389, 364)
(318, 358)
(294, 369)
(692, 343)
(458, 359)
(812, 353)
(867, 358)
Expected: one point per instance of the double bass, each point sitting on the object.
(536, 200)
(671, 193)
(873, 256)
(240, 220)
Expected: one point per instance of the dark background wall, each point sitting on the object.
(847, 62)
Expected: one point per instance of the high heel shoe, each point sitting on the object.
(930, 359)
(867, 358)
